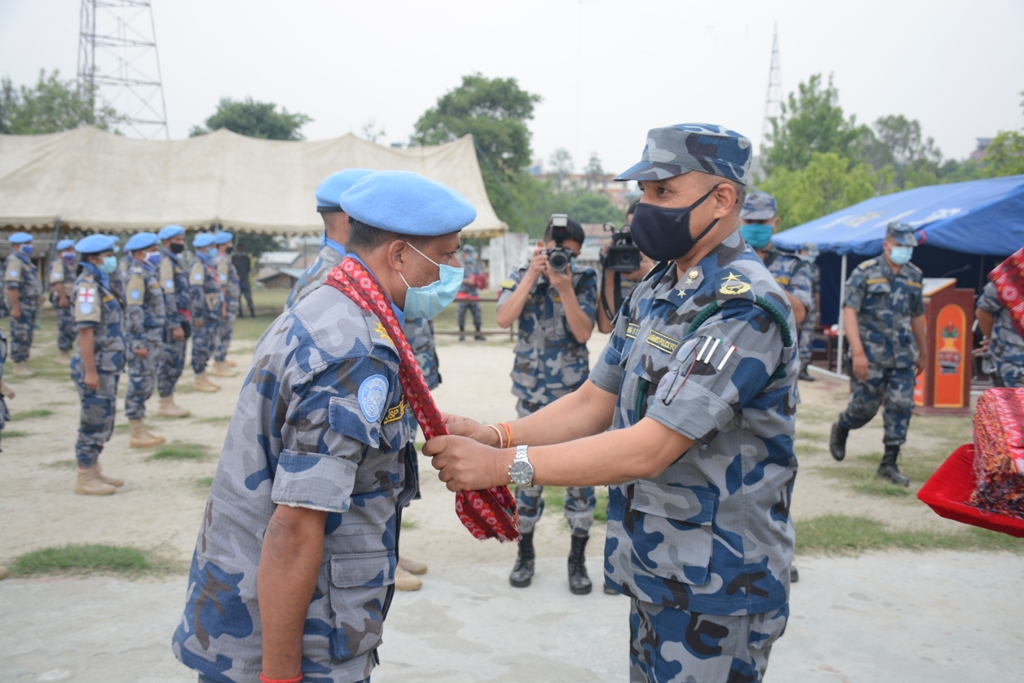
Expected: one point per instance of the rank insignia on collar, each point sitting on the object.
(381, 332)
(734, 285)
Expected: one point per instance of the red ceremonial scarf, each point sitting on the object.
(487, 514)
(1008, 277)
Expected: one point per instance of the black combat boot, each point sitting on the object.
(462, 334)
(887, 468)
(522, 573)
(804, 375)
(837, 442)
(579, 582)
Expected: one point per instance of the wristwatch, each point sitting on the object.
(521, 471)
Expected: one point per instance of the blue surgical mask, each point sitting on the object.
(109, 265)
(26, 249)
(901, 255)
(428, 301)
(757, 235)
(154, 258)
(211, 252)
(69, 257)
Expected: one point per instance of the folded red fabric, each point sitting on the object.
(1008, 277)
(999, 452)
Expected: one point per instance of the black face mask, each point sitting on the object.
(664, 234)
(177, 248)
(229, 250)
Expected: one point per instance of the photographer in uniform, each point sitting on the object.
(698, 385)
(555, 305)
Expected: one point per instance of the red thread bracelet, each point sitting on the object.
(297, 679)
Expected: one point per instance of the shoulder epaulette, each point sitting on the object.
(867, 264)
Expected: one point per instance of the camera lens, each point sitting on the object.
(558, 260)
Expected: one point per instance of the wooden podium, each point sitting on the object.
(944, 388)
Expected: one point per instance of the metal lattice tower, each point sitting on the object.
(773, 98)
(118, 62)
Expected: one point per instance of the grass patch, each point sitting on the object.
(178, 450)
(84, 558)
(860, 473)
(31, 414)
(223, 419)
(554, 501)
(122, 428)
(408, 523)
(13, 433)
(63, 464)
(204, 482)
(842, 534)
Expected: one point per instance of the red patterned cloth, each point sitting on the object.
(999, 452)
(1008, 277)
(487, 514)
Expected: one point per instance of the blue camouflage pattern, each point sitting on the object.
(62, 275)
(419, 332)
(759, 206)
(314, 275)
(705, 147)
(144, 329)
(232, 285)
(178, 303)
(809, 326)
(796, 275)
(97, 306)
(1004, 358)
(549, 362)
(5, 415)
(471, 267)
(207, 297)
(22, 275)
(712, 533)
(892, 386)
(302, 435)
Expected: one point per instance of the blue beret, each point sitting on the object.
(328, 192)
(65, 244)
(203, 239)
(760, 206)
(95, 244)
(223, 237)
(141, 240)
(20, 238)
(169, 231)
(407, 203)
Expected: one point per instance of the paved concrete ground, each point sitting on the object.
(895, 616)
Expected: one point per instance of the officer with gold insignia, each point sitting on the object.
(698, 385)
(883, 316)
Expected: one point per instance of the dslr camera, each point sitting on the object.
(559, 256)
(622, 256)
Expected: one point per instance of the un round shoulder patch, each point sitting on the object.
(85, 308)
(12, 273)
(198, 277)
(373, 394)
(168, 284)
(135, 295)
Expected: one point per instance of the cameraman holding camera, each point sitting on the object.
(623, 266)
(556, 305)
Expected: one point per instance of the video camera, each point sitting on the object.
(622, 256)
(559, 257)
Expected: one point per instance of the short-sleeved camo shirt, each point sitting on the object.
(886, 302)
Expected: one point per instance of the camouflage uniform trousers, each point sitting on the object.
(66, 331)
(172, 362)
(96, 423)
(225, 329)
(141, 379)
(23, 331)
(668, 645)
(1007, 375)
(5, 416)
(807, 329)
(896, 386)
(204, 341)
(474, 308)
(579, 500)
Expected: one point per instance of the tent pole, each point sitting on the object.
(56, 237)
(842, 298)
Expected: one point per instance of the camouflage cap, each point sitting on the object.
(760, 206)
(684, 147)
(904, 234)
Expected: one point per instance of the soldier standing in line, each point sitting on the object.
(243, 266)
(98, 361)
(118, 278)
(62, 284)
(469, 294)
(809, 327)
(207, 309)
(144, 331)
(883, 317)
(5, 391)
(231, 286)
(178, 327)
(1003, 348)
(336, 225)
(698, 384)
(556, 312)
(25, 289)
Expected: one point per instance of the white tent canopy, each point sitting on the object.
(93, 180)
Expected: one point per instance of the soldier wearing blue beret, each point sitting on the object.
(336, 225)
(294, 566)
(25, 290)
(178, 316)
(98, 361)
(883, 317)
(698, 385)
(231, 288)
(63, 270)
(208, 308)
(144, 331)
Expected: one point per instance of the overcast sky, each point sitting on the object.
(607, 69)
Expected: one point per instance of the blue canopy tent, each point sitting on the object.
(979, 218)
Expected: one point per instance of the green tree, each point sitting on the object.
(594, 172)
(586, 207)
(829, 182)
(561, 164)
(1005, 154)
(811, 122)
(51, 106)
(255, 119)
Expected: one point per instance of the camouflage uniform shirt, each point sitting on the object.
(328, 258)
(793, 275)
(419, 332)
(21, 274)
(712, 533)
(321, 423)
(549, 362)
(177, 293)
(1005, 355)
(471, 266)
(145, 308)
(885, 303)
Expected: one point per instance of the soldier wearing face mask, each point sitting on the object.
(884, 320)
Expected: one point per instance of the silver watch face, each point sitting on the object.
(521, 473)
